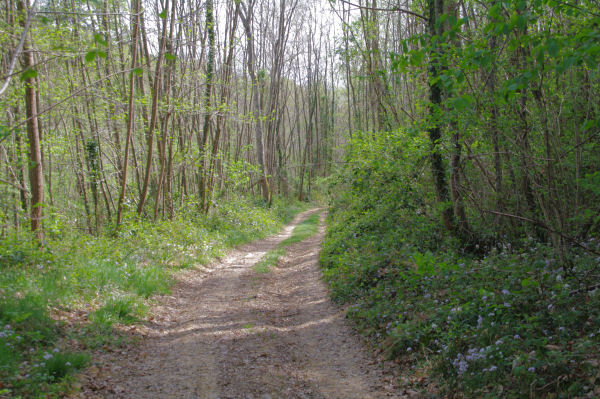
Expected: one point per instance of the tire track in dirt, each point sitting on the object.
(229, 332)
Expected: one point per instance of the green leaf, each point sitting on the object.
(163, 14)
(588, 125)
(527, 282)
(138, 71)
(90, 56)
(98, 38)
(4, 131)
(416, 57)
(540, 56)
(552, 47)
(462, 103)
(170, 57)
(29, 73)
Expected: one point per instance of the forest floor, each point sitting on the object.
(230, 331)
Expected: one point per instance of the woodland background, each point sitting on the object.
(457, 143)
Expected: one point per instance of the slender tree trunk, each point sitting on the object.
(36, 175)
(130, 110)
(154, 113)
(210, 67)
(246, 18)
(438, 170)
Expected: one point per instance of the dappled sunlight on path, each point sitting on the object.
(229, 332)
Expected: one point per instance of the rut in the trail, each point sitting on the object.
(233, 333)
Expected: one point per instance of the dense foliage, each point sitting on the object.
(512, 323)
(464, 229)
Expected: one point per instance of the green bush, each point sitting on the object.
(514, 323)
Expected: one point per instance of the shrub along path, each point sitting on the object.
(233, 331)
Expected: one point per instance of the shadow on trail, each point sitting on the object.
(237, 334)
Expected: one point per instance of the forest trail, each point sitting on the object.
(230, 332)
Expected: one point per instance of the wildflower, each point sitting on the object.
(516, 336)
(479, 321)
(506, 305)
(531, 369)
(505, 292)
(47, 356)
(408, 349)
(493, 368)
(55, 350)
(67, 363)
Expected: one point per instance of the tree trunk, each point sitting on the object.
(36, 175)
(130, 111)
(246, 17)
(438, 170)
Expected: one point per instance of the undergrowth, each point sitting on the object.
(44, 339)
(515, 323)
(301, 232)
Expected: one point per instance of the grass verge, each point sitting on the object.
(301, 232)
(61, 301)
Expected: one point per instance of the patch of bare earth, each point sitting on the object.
(229, 332)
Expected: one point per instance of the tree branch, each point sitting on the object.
(544, 226)
(393, 9)
(19, 48)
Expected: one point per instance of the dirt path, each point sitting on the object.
(229, 332)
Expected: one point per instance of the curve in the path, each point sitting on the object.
(233, 333)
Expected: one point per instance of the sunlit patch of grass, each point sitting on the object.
(268, 260)
(301, 232)
(124, 309)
